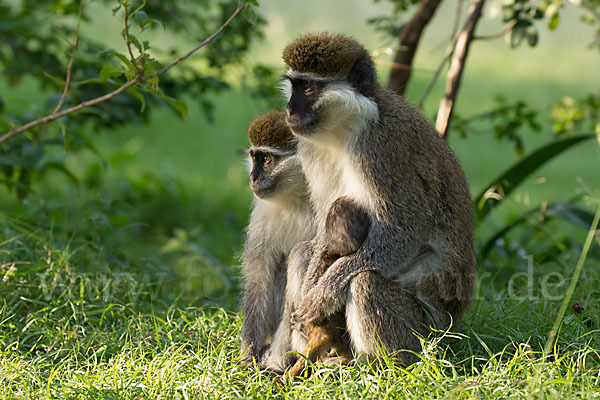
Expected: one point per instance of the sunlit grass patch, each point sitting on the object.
(74, 328)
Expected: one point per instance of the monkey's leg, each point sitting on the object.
(325, 342)
(340, 353)
(285, 339)
(382, 315)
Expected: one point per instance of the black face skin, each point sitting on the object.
(262, 182)
(300, 113)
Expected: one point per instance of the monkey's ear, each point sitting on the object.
(362, 77)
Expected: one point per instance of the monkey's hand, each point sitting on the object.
(299, 326)
(313, 311)
(329, 294)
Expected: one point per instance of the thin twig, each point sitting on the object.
(437, 72)
(457, 15)
(409, 41)
(206, 41)
(128, 42)
(138, 79)
(392, 64)
(63, 98)
(455, 24)
(447, 55)
(500, 33)
(463, 42)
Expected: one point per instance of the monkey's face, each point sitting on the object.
(318, 106)
(302, 113)
(262, 180)
(274, 174)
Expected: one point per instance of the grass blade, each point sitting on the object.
(559, 318)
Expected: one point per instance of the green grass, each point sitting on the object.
(72, 326)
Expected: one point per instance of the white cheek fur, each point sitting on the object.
(347, 102)
(285, 86)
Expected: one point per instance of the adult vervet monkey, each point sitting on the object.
(356, 139)
(281, 217)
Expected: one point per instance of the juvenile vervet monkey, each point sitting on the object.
(356, 139)
(281, 217)
(346, 228)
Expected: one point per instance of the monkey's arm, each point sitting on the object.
(329, 293)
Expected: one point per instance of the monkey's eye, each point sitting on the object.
(268, 160)
(310, 88)
(253, 158)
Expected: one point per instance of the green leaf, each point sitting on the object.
(531, 34)
(536, 13)
(120, 56)
(508, 13)
(503, 185)
(152, 22)
(138, 96)
(136, 43)
(109, 71)
(141, 17)
(553, 23)
(178, 105)
(517, 33)
(515, 37)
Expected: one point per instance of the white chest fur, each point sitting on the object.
(286, 225)
(331, 173)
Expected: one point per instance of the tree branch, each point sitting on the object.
(437, 72)
(447, 55)
(409, 40)
(463, 41)
(61, 102)
(137, 79)
(128, 41)
(392, 64)
(500, 33)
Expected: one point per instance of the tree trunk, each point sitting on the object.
(457, 65)
(409, 40)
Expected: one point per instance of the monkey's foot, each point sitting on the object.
(332, 361)
(319, 344)
(296, 369)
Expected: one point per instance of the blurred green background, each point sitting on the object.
(174, 192)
